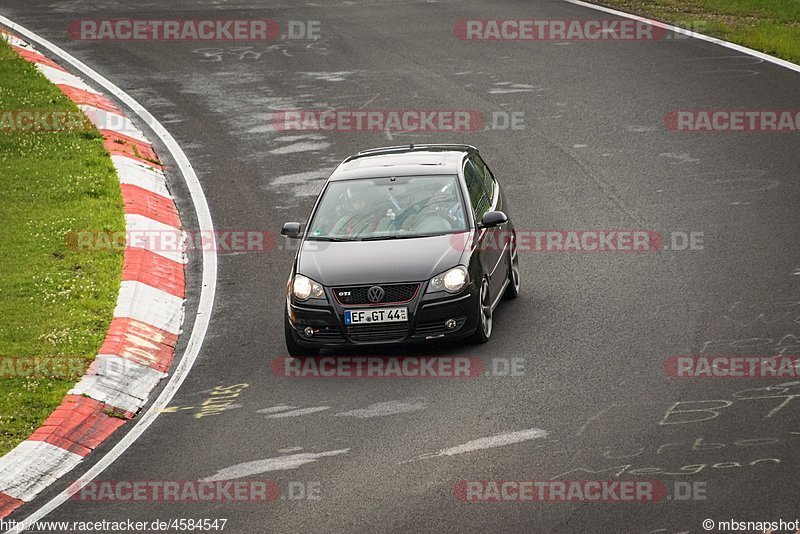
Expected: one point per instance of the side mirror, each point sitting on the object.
(291, 230)
(493, 218)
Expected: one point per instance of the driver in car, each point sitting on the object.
(366, 210)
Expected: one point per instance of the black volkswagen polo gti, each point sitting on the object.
(404, 244)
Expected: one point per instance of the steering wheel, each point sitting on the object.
(415, 208)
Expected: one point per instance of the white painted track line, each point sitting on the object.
(491, 442)
(733, 46)
(208, 283)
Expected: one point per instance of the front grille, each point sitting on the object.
(393, 294)
(437, 328)
(377, 332)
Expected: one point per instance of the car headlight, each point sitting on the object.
(304, 288)
(451, 281)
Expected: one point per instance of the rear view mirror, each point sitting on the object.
(493, 218)
(292, 230)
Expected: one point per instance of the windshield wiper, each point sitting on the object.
(370, 238)
(326, 238)
(379, 237)
(399, 236)
(419, 235)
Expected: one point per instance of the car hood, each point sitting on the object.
(374, 262)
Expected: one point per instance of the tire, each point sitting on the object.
(294, 349)
(484, 329)
(514, 276)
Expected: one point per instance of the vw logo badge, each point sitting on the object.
(375, 294)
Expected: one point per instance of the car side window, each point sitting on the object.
(485, 174)
(477, 192)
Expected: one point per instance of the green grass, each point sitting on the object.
(54, 301)
(771, 26)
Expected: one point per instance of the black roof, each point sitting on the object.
(405, 160)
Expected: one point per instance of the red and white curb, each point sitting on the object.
(141, 339)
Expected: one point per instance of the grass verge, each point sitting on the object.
(771, 26)
(55, 302)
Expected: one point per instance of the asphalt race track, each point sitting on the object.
(593, 331)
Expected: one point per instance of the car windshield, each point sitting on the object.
(388, 208)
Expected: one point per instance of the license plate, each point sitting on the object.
(377, 315)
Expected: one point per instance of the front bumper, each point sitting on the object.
(427, 317)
